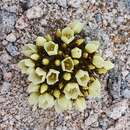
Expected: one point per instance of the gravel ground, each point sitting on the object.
(106, 20)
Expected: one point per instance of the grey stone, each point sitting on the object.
(103, 123)
(98, 17)
(11, 37)
(126, 93)
(117, 110)
(7, 21)
(114, 84)
(34, 12)
(5, 88)
(1, 75)
(12, 49)
(74, 3)
(62, 3)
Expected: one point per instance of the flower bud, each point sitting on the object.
(56, 93)
(48, 37)
(101, 71)
(43, 88)
(76, 52)
(45, 61)
(76, 62)
(67, 76)
(79, 41)
(58, 33)
(57, 62)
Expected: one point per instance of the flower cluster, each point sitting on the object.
(63, 68)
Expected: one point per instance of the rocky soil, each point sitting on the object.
(106, 20)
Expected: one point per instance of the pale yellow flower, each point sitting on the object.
(92, 46)
(34, 57)
(33, 88)
(80, 104)
(95, 88)
(46, 101)
(33, 98)
(98, 61)
(67, 35)
(52, 76)
(37, 76)
(76, 26)
(26, 65)
(40, 41)
(82, 77)
(76, 52)
(108, 65)
(72, 90)
(67, 64)
(62, 104)
(29, 49)
(51, 48)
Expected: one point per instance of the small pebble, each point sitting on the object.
(62, 3)
(11, 37)
(34, 12)
(12, 50)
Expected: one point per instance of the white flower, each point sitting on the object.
(92, 46)
(33, 98)
(80, 104)
(98, 61)
(108, 65)
(82, 77)
(67, 35)
(63, 104)
(76, 26)
(51, 48)
(72, 90)
(37, 76)
(40, 41)
(52, 76)
(46, 101)
(33, 88)
(67, 64)
(26, 65)
(29, 49)
(95, 88)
